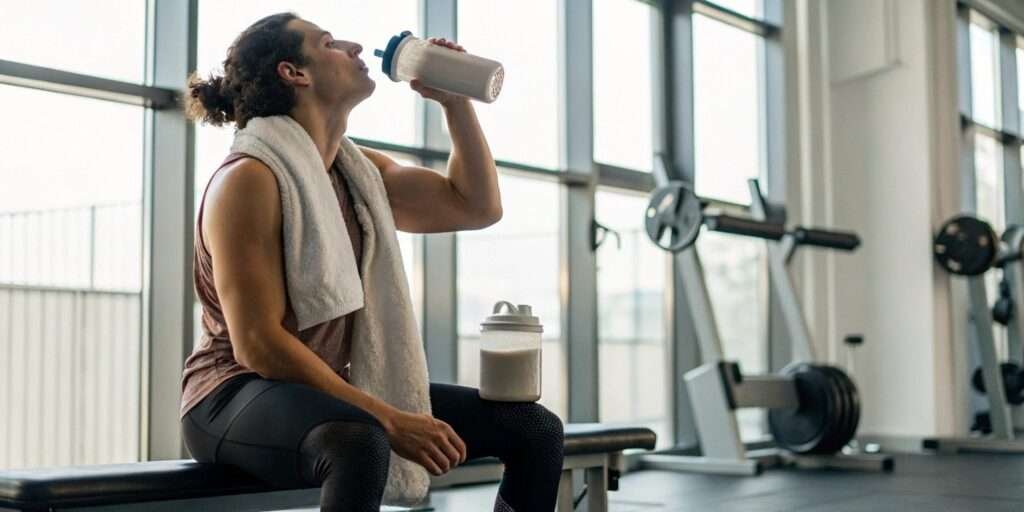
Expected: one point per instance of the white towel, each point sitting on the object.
(387, 355)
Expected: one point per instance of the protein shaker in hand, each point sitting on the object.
(510, 354)
(407, 57)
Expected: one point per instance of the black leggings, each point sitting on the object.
(291, 435)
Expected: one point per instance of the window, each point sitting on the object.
(726, 109)
(70, 280)
(635, 387)
(622, 83)
(522, 125)
(983, 76)
(989, 182)
(514, 260)
(749, 8)
(1020, 89)
(105, 39)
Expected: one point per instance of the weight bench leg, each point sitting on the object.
(565, 494)
(597, 489)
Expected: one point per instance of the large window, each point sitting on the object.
(633, 342)
(104, 39)
(514, 260)
(622, 83)
(70, 280)
(522, 125)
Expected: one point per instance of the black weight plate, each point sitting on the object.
(805, 428)
(851, 402)
(966, 246)
(1011, 374)
(854, 395)
(674, 217)
(839, 424)
(835, 428)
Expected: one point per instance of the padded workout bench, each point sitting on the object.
(158, 486)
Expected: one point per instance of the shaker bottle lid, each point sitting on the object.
(517, 319)
(389, 52)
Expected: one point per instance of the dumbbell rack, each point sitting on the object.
(717, 388)
(1007, 420)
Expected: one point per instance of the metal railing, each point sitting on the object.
(70, 335)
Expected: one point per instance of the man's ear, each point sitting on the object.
(292, 74)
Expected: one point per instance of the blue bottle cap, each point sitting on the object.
(389, 53)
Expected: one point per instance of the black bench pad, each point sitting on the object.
(109, 484)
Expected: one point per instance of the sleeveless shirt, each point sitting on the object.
(212, 360)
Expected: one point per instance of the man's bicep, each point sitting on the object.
(244, 231)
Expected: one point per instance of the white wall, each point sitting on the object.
(877, 136)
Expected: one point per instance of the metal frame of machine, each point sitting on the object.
(717, 388)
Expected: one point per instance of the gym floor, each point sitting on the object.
(965, 482)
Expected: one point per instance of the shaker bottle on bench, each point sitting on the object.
(510, 355)
(407, 57)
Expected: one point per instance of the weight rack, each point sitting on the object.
(967, 246)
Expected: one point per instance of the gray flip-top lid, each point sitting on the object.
(516, 319)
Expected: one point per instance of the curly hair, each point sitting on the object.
(250, 86)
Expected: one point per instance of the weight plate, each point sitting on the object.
(855, 400)
(674, 217)
(850, 402)
(1012, 382)
(811, 426)
(833, 442)
(837, 423)
(966, 246)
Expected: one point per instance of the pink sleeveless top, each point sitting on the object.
(212, 361)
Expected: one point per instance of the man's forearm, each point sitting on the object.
(471, 166)
(286, 358)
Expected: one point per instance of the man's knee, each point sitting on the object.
(350, 447)
(535, 425)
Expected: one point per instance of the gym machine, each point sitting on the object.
(968, 246)
(813, 409)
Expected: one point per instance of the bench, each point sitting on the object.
(157, 486)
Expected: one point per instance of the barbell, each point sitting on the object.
(675, 215)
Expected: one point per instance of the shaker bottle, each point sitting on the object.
(407, 57)
(510, 354)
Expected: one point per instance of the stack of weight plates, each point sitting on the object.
(827, 417)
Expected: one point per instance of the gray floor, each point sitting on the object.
(920, 482)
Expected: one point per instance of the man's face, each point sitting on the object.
(336, 70)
